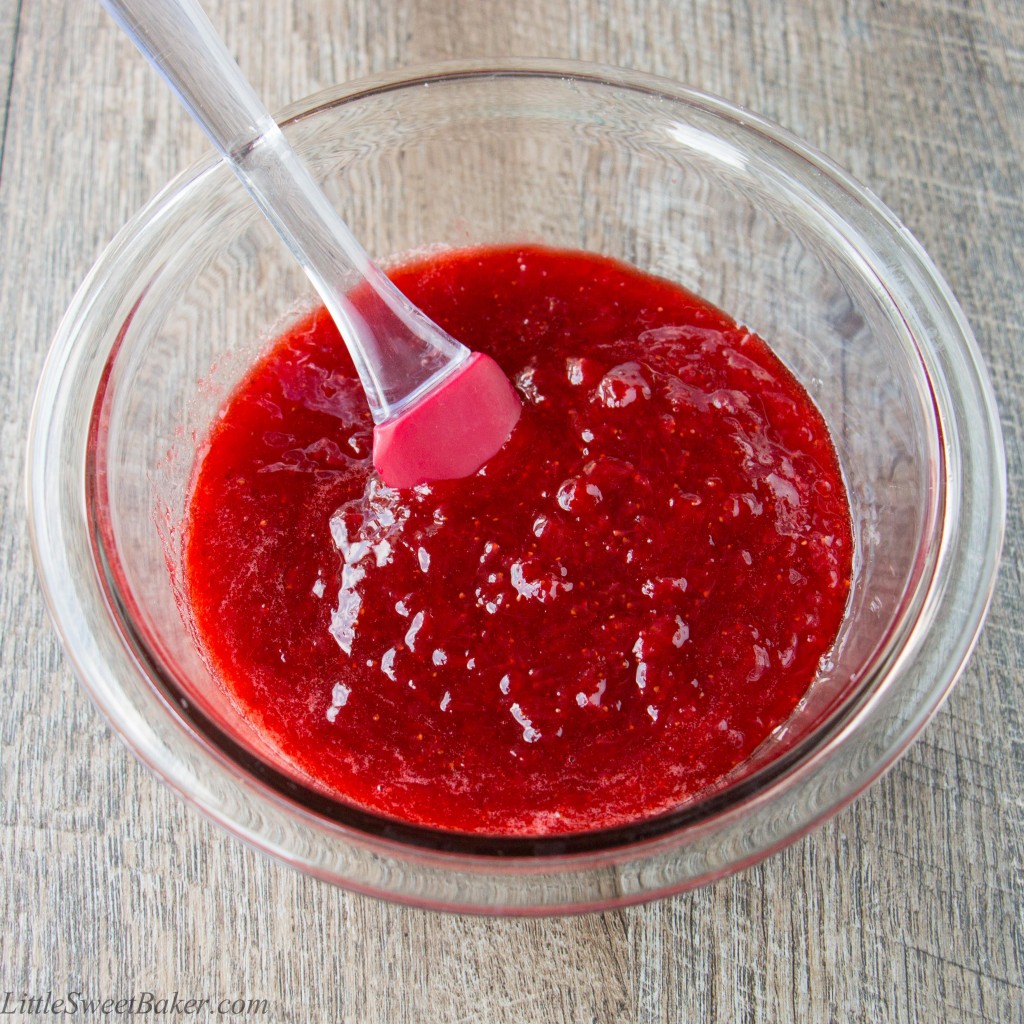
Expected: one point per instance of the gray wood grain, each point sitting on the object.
(906, 907)
(9, 18)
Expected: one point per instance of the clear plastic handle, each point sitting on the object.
(398, 351)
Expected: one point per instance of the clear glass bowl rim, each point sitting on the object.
(964, 398)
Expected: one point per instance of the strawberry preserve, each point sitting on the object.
(602, 623)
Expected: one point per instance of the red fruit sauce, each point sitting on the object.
(600, 624)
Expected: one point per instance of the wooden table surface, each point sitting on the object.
(908, 906)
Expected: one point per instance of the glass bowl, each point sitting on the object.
(678, 183)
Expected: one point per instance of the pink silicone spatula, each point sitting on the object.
(440, 411)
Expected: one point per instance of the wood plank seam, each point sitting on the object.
(9, 89)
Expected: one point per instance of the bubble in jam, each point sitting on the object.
(597, 627)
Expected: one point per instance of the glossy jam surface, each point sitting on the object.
(608, 618)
